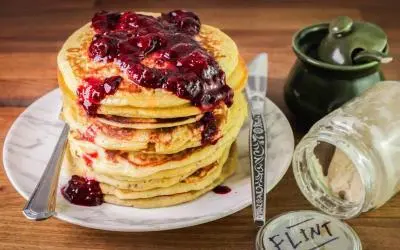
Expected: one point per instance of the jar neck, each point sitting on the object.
(308, 174)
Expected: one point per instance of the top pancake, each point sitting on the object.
(75, 65)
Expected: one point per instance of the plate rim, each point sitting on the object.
(141, 228)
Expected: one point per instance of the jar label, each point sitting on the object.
(308, 231)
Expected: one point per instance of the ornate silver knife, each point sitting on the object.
(256, 91)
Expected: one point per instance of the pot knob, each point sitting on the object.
(352, 43)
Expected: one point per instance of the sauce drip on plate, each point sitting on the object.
(82, 191)
(221, 189)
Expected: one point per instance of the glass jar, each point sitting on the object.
(349, 161)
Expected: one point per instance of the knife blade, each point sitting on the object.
(256, 91)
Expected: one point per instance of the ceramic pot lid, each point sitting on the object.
(349, 43)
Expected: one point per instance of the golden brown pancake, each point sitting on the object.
(160, 141)
(179, 197)
(118, 107)
(143, 145)
(162, 179)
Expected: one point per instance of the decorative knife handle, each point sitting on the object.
(258, 157)
(41, 205)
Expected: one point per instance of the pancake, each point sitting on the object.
(159, 180)
(74, 65)
(139, 164)
(197, 181)
(156, 176)
(159, 141)
(154, 106)
(177, 198)
(238, 79)
(140, 123)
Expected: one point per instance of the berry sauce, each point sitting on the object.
(221, 189)
(82, 191)
(95, 90)
(88, 158)
(89, 134)
(186, 69)
(210, 128)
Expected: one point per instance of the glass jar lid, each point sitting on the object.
(307, 230)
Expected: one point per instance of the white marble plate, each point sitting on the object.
(33, 135)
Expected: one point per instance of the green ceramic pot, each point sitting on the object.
(315, 88)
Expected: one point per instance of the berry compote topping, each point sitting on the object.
(210, 128)
(187, 22)
(104, 21)
(88, 160)
(82, 191)
(221, 189)
(94, 90)
(187, 69)
(88, 157)
(89, 134)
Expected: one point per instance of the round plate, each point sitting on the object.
(33, 135)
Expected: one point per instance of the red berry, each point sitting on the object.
(103, 48)
(196, 62)
(104, 21)
(145, 76)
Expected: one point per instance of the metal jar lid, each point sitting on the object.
(307, 230)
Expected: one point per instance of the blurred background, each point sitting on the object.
(32, 32)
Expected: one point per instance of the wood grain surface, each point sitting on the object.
(31, 33)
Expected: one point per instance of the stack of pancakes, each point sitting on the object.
(146, 146)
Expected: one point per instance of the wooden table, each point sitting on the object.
(31, 33)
